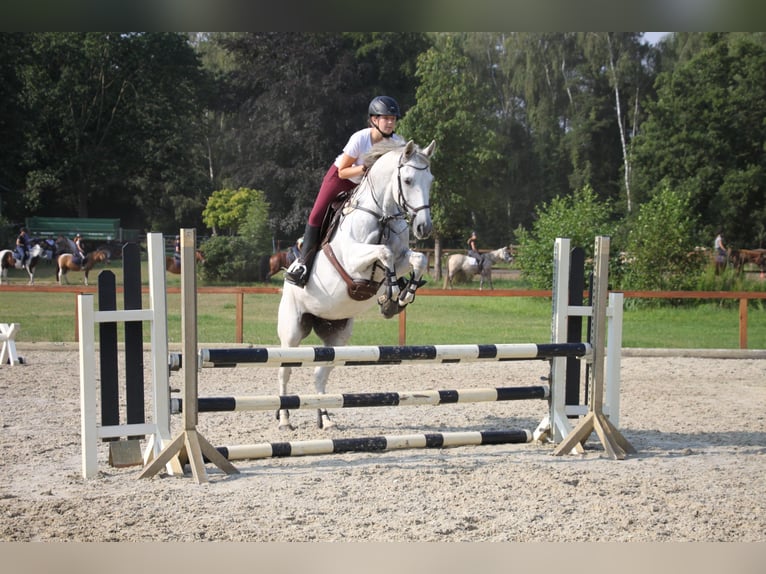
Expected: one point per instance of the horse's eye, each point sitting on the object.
(408, 181)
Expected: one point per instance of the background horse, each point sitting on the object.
(173, 265)
(281, 260)
(29, 264)
(741, 257)
(462, 268)
(7, 261)
(364, 260)
(66, 263)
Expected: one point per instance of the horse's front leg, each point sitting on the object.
(418, 262)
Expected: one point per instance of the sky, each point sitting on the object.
(654, 37)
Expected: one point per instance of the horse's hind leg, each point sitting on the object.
(333, 334)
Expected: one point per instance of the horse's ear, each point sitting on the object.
(430, 149)
(409, 149)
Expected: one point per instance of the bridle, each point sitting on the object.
(406, 210)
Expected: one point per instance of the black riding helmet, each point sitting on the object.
(384, 106)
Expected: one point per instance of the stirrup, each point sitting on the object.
(296, 274)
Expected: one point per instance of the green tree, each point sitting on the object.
(660, 245)
(227, 210)
(704, 137)
(451, 109)
(116, 128)
(297, 99)
(240, 255)
(580, 217)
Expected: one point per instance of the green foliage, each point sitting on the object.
(704, 135)
(7, 235)
(232, 259)
(451, 109)
(660, 245)
(239, 258)
(228, 209)
(580, 217)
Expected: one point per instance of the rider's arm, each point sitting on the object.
(347, 169)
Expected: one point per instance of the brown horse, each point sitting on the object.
(66, 263)
(281, 260)
(173, 265)
(741, 257)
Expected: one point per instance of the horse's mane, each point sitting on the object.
(380, 149)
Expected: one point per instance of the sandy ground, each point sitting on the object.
(698, 425)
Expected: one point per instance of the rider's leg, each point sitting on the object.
(332, 186)
(299, 270)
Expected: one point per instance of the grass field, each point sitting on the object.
(51, 317)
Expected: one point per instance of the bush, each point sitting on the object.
(580, 217)
(231, 259)
(660, 246)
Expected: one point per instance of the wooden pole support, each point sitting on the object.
(614, 443)
(190, 441)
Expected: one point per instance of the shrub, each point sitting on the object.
(579, 217)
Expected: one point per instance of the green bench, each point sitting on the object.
(101, 229)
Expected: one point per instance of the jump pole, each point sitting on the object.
(374, 444)
(354, 400)
(189, 440)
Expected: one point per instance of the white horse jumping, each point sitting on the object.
(8, 261)
(365, 259)
(462, 268)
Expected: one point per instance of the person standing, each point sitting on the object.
(344, 174)
(720, 252)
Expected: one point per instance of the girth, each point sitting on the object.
(358, 289)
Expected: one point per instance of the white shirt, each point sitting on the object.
(359, 144)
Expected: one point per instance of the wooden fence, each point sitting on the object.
(239, 294)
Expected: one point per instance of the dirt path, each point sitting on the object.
(698, 425)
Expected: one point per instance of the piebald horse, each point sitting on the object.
(173, 265)
(462, 268)
(66, 263)
(8, 260)
(365, 260)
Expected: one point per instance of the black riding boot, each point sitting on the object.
(300, 269)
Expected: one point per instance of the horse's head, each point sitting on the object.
(399, 181)
(413, 181)
(100, 256)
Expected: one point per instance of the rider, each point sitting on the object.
(79, 257)
(343, 175)
(473, 251)
(22, 245)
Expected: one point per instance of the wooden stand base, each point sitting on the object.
(616, 446)
(195, 446)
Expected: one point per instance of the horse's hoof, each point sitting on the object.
(287, 427)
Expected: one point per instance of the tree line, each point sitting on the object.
(148, 126)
